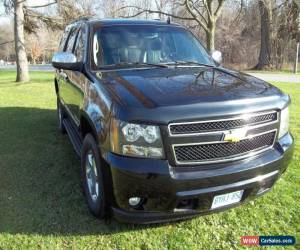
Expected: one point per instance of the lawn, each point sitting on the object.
(42, 206)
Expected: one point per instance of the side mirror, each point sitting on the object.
(66, 60)
(217, 56)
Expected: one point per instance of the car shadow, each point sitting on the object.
(40, 188)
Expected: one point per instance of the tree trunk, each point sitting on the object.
(210, 36)
(21, 58)
(264, 59)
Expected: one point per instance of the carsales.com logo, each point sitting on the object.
(268, 240)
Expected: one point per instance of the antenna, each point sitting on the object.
(168, 20)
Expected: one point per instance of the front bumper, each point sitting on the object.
(174, 193)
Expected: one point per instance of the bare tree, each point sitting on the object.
(28, 18)
(65, 11)
(18, 7)
(21, 58)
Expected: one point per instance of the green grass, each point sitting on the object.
(42, 206)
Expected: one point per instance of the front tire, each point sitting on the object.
(92, 177)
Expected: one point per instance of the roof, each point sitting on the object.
(127, 21)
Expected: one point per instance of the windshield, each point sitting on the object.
(146, 44)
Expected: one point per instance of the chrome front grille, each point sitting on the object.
(223, 150)
(213, 141)
(221, 125)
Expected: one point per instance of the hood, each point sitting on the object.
(158, 87)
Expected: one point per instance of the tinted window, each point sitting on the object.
(79, 49)
(146, 44)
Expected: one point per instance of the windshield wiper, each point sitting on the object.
(176, 63)
(155, 65)
(133, 64)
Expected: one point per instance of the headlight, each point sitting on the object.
(284, 122)
(136, 140)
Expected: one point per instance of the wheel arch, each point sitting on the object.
(87, 126)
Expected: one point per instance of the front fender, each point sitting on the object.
(96, 111)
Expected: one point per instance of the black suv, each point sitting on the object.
(162, 130)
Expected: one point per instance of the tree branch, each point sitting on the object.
(6, 42)
(42, 6)
(189, 9)
(208, 8)
(41, 16)
(141, 11)
(219, 8)
(199, 13)
(239, 13)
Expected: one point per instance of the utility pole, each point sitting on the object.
(298, 39)
(296, 59)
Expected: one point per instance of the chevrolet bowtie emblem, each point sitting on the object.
(235, 135)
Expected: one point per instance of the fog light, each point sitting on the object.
(134, 201)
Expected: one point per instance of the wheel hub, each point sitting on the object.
(92, 176)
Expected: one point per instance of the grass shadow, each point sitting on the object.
(40, 189)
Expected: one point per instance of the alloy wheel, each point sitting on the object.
(92, 176)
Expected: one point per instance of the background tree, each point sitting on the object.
(6, 41)
(278, 22)
(29, 18)
(265, 10)
(16, 6)
(35, 51)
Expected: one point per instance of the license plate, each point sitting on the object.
(227, 199)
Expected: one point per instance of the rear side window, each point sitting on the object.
(71, 40)
(79, 49)
(63, 41)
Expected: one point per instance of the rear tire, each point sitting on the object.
(61, 115)
(92, 178)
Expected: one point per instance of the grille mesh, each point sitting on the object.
(192, 128)
(216, 151)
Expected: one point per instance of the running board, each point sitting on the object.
(73, 135)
